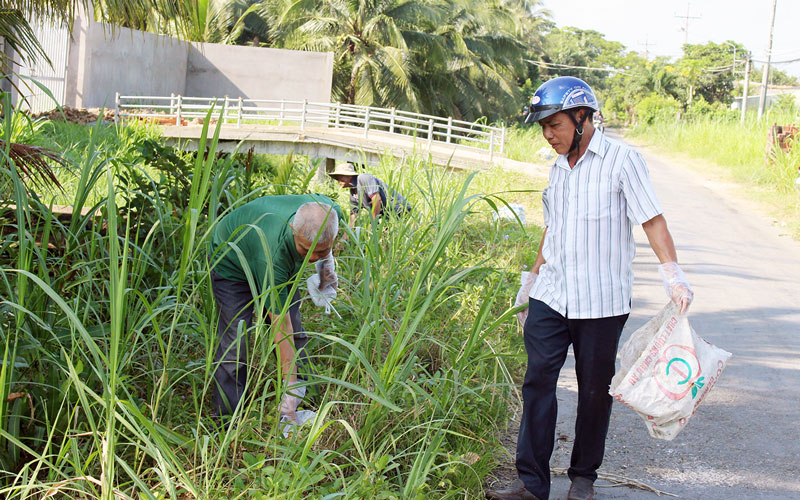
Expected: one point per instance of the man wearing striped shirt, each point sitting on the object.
(580, 289)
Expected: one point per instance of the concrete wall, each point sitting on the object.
(105, 61)
(216, 70)
(772, 96)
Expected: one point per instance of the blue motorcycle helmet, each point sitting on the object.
(563, 93)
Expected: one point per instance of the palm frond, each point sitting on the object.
(18, 34)
(32, 162)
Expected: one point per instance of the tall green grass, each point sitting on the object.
(740, 147)
(523, 143)
(738, 150)
(108, 327)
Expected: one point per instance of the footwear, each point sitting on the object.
(516, 491)
(581, 489)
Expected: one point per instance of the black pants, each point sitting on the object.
(234, 305)
(547, 338)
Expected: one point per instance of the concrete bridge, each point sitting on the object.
(332, 131)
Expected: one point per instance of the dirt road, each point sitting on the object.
(744, 442)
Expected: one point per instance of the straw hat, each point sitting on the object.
(344, 169)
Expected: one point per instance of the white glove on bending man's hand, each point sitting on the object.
(676, 285)
(527, 280)
(289, 404)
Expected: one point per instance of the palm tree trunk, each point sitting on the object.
(351, 89)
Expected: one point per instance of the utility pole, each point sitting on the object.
(764, 78)
(733, 66)
(686, 29)
(646, 45)
(746, 86)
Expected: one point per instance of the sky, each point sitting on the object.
(654, 22)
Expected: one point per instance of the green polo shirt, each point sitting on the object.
(257, 236)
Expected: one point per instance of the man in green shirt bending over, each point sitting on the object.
(257, 250)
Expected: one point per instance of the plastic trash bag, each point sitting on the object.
(321, 298)
(303, 417)
(526, 280)
(545, 153)
(666, 370)
(510, 214)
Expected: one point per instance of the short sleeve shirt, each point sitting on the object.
(590, 211)
(255, 241)
(366, 187)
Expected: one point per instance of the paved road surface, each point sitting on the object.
(744, 441)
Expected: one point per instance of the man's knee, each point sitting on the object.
(541, 373)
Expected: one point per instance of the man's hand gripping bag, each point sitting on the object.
(665, 372)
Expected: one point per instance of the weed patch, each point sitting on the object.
(110, 335)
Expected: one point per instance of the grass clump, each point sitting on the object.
(523, 143)
(108, 328)
(737, 151)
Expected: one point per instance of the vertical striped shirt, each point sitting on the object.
(590, 211)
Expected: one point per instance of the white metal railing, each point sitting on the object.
(182, 110)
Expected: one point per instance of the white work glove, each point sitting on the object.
(526, 279)
(676, 285)
(291, 400)
(320, 297)
(289, 404)
(326, 269)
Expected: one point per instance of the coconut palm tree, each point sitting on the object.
(473, 72)
(373, 61)
(255, 20)
(450, 57)
(211, 21)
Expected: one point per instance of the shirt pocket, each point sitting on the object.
(595, 201)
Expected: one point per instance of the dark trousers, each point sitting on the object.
(547, 338)
(234, 302)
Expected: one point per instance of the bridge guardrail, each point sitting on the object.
(239, 112)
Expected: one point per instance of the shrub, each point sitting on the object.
(700, 108)
(655, 108)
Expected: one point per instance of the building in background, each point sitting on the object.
(773, 91)
(95, 61)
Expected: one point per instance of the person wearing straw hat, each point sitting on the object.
(368, 192)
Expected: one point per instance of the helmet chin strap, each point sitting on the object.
(576, 138)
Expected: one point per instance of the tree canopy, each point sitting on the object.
(465, 59)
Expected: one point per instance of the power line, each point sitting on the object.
(722, 69)
(786, 51)
(778, 62)
(711, 69)
(548, 65)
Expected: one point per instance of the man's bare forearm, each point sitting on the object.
(284, 340)
(660, 239)
(539, 258)
(377, 205)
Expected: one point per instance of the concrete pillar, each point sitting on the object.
(325, 165)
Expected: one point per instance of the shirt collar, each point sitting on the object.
(597, 145)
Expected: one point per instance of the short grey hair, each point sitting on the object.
(311, 216)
